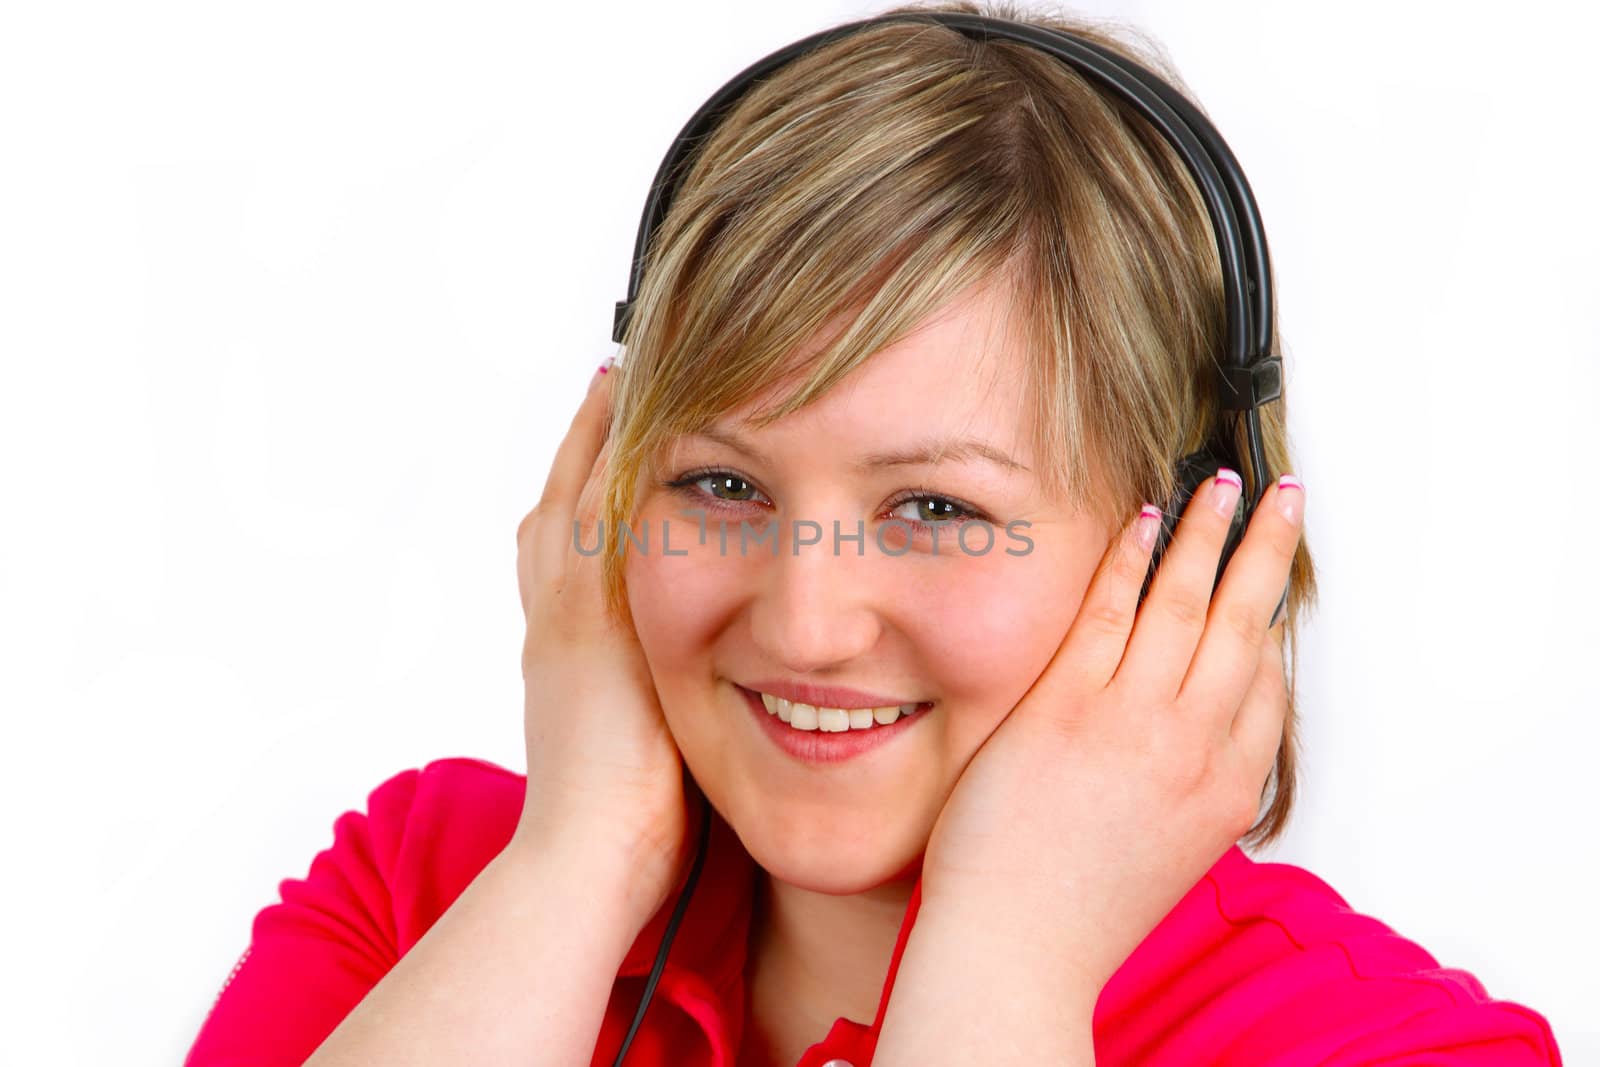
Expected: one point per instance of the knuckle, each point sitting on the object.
(1184, 608)
(1243, 623)
(1105, 616)
(1128, 566)
(526, 527)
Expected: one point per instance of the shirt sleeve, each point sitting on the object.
(316, 953)
(1464, 1033)
(1299, 977)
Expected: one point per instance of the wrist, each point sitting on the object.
(970, 971)
(1035, 939)
(605, 877)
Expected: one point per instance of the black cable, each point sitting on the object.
(672, 926)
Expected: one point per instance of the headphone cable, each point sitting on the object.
(672, 925)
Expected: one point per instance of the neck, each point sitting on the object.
(815, 957)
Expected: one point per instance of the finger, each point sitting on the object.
(571, 471)
(574, 575)
(586, 515)
(1249, 594)
(1174, 613)
(545, 531)
(575, 454)
(1095, 641)
(1257, 729)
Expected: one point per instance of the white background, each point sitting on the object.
(297, 299)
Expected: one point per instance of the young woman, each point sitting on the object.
(921, 338)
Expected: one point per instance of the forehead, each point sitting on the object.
(960, 371)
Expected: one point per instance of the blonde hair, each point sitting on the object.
(870, 181)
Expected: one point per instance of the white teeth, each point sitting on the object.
(832, 720)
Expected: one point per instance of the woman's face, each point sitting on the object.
(968, 628)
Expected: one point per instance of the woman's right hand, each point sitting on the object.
(604, 772)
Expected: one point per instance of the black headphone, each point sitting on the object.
(1249, 378)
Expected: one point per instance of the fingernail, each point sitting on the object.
(1225, 489)
(1292, 503)
(605, 365)
(1149, 523)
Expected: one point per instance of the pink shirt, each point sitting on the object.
(1260, 963)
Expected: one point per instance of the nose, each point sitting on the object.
(814, 610)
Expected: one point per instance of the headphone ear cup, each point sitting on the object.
(1192, 471)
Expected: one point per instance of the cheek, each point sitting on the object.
(673, 600)
(680, 603)
(999, 621)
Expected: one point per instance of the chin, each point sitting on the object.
(812, 858)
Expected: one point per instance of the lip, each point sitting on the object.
(815, 746)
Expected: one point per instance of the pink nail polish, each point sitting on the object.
(1225, 490)
(1292, 503)
(1149, 523)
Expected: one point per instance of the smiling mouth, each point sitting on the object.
(801, 716)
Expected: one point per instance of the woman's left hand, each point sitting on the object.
(1133, 763)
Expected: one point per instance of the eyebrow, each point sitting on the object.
(924, 452)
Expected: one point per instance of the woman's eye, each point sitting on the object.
(724, 486)
(928, 510)
(728, 486)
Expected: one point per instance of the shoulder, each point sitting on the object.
(431, 797)
(1268, 961)
(393, 868)
(432, 830)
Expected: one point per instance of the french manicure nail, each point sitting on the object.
(1149, 523)
(1291, 503)
(1225, 490)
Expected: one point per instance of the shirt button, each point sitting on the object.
(838, 1063)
